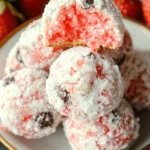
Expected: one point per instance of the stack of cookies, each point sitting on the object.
(66, 66)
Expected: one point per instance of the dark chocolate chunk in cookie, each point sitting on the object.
(45, 119)
(88, 3)
(8, 81)
(18, 57)
(116, 115)
(91, 55)
(120, 61)
(63, 94)
(11, 70)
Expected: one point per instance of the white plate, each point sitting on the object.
(57, 141)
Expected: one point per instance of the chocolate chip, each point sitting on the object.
(11, 70)
(91, 55)
(63, 94)
(88, 3)
(120, 61)
(8, 81)
(18, 57)
(115, 112)
(116, 115)
(44, 120)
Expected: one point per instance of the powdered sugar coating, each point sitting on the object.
(83, 85)
(32, 51)
(120, 54)
(14, 61)
(24, 109)
(114, 131)
(107, 8)
(136, 74)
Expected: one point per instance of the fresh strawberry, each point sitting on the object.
(129, 8)
(7, 20)
(146, 11)
(32, 8)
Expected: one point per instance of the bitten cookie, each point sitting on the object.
(94, 23)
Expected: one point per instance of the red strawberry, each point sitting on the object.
(129, 8)
(32, 8)
(146, 11)
(7, 20)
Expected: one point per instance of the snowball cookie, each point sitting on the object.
(136, 74)
(24, 108)
(93, 23)
(84, 85)
(14, 60)
(114, 131)
(32, 51)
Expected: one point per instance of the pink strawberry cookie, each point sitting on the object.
(84, 85)
(136, 74)
(32, 51)
(93, 23)
(14, 60)
(24, 108)
(114, 131)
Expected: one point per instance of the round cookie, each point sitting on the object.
(84, 85)
(14, 60)
(136, 74)
(32, 51)
(24, 108)
(114, 131)
(94, 23)
(120, 54)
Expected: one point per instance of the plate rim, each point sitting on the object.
(11, 34)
